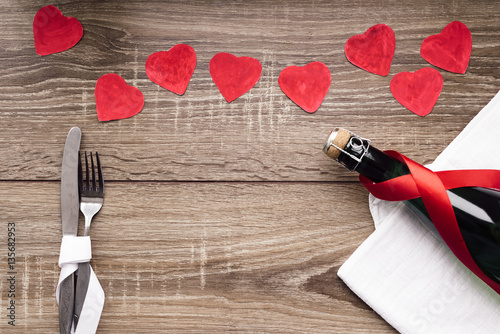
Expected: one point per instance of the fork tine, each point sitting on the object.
(87, 180)
(93, 172)
(80, 175)
(99, 173)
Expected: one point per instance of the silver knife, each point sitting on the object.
(69, 217)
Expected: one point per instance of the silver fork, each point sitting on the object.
(92, 192)
(91, 200)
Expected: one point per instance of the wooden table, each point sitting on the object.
(218, 217)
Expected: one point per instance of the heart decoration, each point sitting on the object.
(234, 76)
(115, 99)
(53, 32)
(418, 91)
(450, 49)
(307, 86)
(372, 51)
(172, 69)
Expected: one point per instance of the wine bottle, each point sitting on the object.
(477, 210)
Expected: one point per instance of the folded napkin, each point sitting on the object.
(76, 250)
(410, 277)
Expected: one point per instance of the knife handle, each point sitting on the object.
(82, 285)
(66, 304)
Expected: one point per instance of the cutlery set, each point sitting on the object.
(79, 293)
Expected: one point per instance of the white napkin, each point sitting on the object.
(76, 250)
(410, 277)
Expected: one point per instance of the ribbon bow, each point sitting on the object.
(431, 188)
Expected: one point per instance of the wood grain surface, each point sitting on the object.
(217, 217)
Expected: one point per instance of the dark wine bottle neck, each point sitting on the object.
(371, 162)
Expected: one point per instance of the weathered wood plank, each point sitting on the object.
(178, 255)
(260, 136)
(200, 257)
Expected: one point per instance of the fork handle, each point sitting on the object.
(88, 220)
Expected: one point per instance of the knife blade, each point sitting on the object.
(69, 217)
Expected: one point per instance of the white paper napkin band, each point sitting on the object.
(76, 250)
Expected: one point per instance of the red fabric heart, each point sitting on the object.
(115, 99)
(172, 69)
(307, 86)
(234, 76)
(372, 51)
(450, 49)
(418, 91)
(53, 32)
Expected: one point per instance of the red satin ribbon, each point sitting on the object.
(431, 187)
